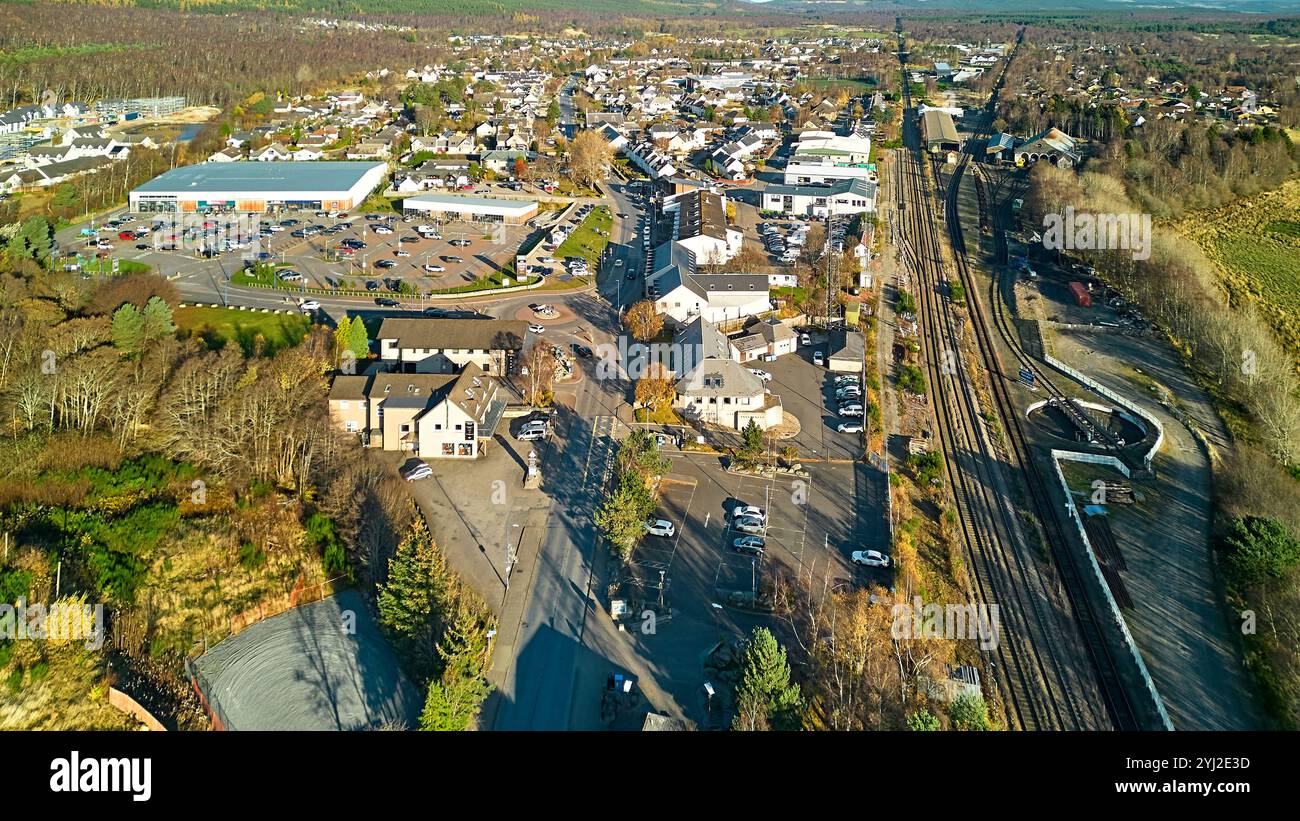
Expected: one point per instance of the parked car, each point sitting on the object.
(749, 524)
(749, 511)
(660, 527)
(819, 358)
(870, 558)
(753, 545)
(763, 376)
(435, 269)
(386, 263)
(805, 339)
(849, 427)
(420, 470)
(851, 409)
(531, 434)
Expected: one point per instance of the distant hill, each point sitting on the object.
(460, 8)
(1031, 6)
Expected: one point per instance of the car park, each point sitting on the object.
(870, 558)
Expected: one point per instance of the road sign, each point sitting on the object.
(1027, 377)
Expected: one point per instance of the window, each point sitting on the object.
(343, 404)
(437, 426)
(350, 426)
(458, 427)
(448, 449)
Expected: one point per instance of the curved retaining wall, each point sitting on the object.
(1115, 613)
(1102, 390)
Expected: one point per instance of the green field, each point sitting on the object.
(1256, 244)
(218, 325)
(585, 242)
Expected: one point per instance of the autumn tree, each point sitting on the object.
(589, 158)
(655, 390)
(643, 321)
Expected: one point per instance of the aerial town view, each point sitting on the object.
(655, 365)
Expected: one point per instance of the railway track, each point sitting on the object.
(1069, 561)
(1048, 678)
(1046, 623)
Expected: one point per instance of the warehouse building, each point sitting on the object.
(256, 187)
(471, 209)
(939, 131)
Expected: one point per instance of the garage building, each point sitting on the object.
(256, 187)
(471, 209)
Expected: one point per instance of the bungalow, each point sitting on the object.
(275, 152)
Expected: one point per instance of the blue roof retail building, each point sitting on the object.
(255, 187)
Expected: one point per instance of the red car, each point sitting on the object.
(126, 235)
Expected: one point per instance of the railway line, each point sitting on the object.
(1123, 713)
(1037, 669)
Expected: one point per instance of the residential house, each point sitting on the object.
(426, 345)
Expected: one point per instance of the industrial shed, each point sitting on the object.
(939, 131)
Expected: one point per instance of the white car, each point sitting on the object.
(381, 229)
(531, 434)
(309, 305)
(851, 409)
(819, 358)
(660, 527)
(275, 229)
(870, 558)
(749, 511)
(417, 472)
(762, 375)
(805, 339)
(400, 253)
(537, 329)
(849, 427)
(435, 269)
(426, 229)
(749, 524)
(618, 263)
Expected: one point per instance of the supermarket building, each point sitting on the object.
(258, 187)
(471, 209)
